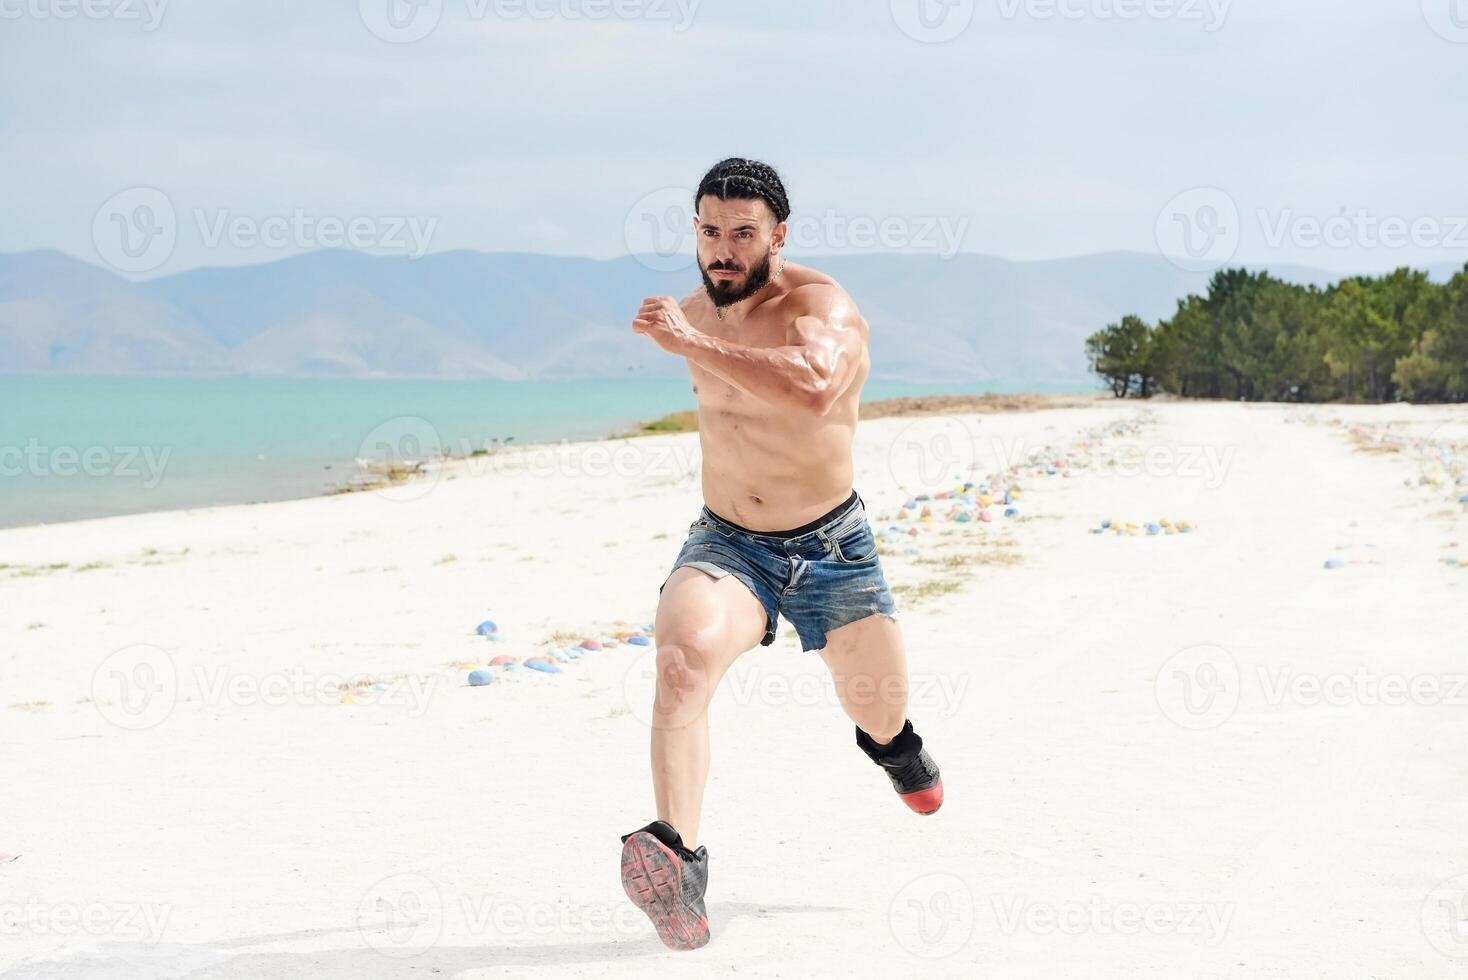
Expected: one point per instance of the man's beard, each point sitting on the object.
(729, 292)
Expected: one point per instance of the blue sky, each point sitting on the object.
(1258, 131)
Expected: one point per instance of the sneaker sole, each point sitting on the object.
(651, 878)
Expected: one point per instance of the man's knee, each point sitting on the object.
(684, 676)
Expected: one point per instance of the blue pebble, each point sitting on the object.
(1011, 512)
(487, 627)
(513, 666)
(479, 678)
(1154, 528)
(1334, 563)
(1106, 524)
(639, 641)
(544, 667)
(1463, 499)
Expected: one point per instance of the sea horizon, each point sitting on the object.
(74, 447)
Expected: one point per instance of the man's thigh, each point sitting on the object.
(713, 619)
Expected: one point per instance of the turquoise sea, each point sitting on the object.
(76, 447)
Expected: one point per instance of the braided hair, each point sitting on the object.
(740, 179)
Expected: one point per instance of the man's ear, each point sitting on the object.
(777, 237)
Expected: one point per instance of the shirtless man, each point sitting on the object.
(778, 360)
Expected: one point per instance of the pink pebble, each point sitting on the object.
(912, 531)
(591, 644)
(501, 660)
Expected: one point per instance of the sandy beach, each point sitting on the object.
(239, 742)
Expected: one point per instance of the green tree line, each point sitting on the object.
(1257, 338)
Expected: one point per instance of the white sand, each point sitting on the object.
(1095, 826)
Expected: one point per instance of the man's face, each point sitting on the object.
(735, 239)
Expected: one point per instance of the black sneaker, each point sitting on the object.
(667, 881)
(913, 772)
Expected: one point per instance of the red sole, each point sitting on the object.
(925, 801)
(650, 877)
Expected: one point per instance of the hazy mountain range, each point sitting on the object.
(509, 315)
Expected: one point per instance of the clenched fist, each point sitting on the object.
(662, 319)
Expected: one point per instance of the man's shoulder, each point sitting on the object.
(821, 297)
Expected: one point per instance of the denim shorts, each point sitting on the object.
(819, 580)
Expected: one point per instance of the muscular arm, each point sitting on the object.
(808, 376)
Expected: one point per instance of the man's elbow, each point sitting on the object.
(821, 399)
